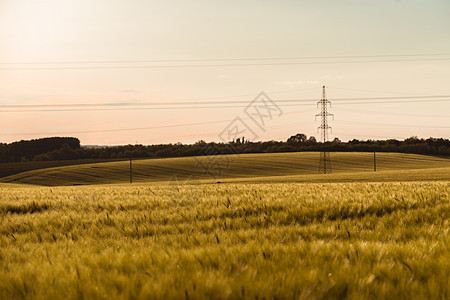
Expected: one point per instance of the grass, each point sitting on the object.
(274, 240)
(239, 167)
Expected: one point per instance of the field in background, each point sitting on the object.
(8, 169)
(218, 241)
(243, 167)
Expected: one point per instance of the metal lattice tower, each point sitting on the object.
(325, 161)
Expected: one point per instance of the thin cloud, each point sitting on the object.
(130, 91)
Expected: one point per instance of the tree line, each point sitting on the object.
(66, 148)
(30, 150)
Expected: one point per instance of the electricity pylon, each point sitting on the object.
(325, 161)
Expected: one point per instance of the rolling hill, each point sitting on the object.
(276, 166)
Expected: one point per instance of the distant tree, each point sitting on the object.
(336, 141)
(312, 140)
(297, 139)
(412, 140)
(104, 154)
(200, 142)
(17, 151)
(67, 153)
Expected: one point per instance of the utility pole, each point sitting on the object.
(325, 161)
(131, 172)
(374, 162)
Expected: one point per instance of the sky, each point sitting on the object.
(128, 62)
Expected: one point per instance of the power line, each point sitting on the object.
(231, 103)
(207, 107)
(246, 95)
(146, 128)
(203, 107)
(394, 102)
(123, 129)
(136, 108)
(367, 91)
(213, 105)
(225, 65)
(222, 59)
(208, 123)
(392, 113)
(394, 125)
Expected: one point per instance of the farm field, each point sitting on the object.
(242, 167)
(8, 169)
(226, 241)
(266, 227)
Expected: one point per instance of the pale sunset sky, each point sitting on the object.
(385, 62)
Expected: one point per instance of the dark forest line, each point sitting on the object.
(69, 148)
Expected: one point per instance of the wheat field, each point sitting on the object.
(269, 240)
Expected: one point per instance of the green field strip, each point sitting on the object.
(233, 166)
